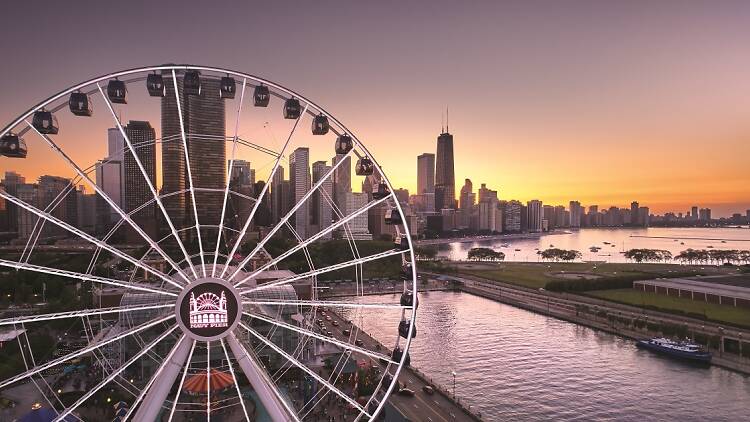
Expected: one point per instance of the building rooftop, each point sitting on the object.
(713, 288)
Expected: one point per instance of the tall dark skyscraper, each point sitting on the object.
(445, 181)
(135, 188)
(204, 124)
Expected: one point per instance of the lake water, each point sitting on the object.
(674, 240)
(513, 364)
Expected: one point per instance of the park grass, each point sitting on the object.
(692, 308)
(537, 275)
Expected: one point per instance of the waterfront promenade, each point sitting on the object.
(604, 315)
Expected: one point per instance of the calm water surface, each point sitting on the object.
(674, 240)
(513, 364)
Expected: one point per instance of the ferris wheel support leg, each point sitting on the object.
(157, 394)
(262, 384)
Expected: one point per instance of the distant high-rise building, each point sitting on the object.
(277, 198)
(535, 215)
(136, 191)
(402, 195)
(445, 181)
(321, 215)
(204, 125)
(299, 177)
(512, 211)
(704, 214)
(26, 220)
(694, 213)
(466, 203)
(109, 179)
(635, 218)
(644, 216)
(115, 144)
(426, 174)
(357, 227)
(576, 214)
(548, 213)
(242, 174)
(10, 183)
(86, 210)
(59, 194)
(342, 183)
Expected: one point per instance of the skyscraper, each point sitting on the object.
(425, 173)
(136, 191)
(277, 195)
(445, 181)
(10, 183)
(342, 183)
(204, 124)
(60, 194)
(576, 214)
(242, 174)
(299, 177)
(466, 202)
(635, 218)
(28, 193)
(535, 215)
(321, 215)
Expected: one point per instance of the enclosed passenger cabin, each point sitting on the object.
(228, 87)
(79, 104)
(392, 217)
(402, 243)
(381, 191)
(407, 299)
(292, 109)
(364, 167)
(13, 146)
(398, 354)
(155, 85)
(407, 272)
(261, 96)
(320, 125)
(116, 91)
(45, 122)
(403, 329)
(191, 82)
(344, 144)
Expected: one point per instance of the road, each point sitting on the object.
(435, 407)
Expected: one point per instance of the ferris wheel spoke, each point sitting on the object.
(189, 172)
(229, 177)
(286, 218)
(303, 367)
(260, 197)
(114, 374)
(81, 313)
(320, 337)
(145, 176)
(83, 351)
(318, 303)
(84, 277)
(82, 235)
(157, 404)
(125, 216)
(231, 370)
(323, 270)
(182, 381)
(306, 242)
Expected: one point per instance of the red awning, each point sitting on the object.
(197, 384)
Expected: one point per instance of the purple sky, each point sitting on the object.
(603, 102)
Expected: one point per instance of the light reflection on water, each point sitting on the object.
(515, 364)
(619, 239)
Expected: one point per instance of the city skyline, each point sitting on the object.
(601, 127)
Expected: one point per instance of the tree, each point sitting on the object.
(556, 254)
(426, 253)
(485, 254)
(648, 255)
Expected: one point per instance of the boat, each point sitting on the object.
(594, 249)
(606, 243)
(682, 243)
(678, 349)
(518, 250)
(505, 245)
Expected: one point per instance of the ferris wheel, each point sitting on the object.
(169, 284)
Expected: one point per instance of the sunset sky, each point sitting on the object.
(602, 102)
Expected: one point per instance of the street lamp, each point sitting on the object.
(454, 384)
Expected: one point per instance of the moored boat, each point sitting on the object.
(679, 349)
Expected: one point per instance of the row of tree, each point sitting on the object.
(648, 255)
(485, 254)
(556, 254)
(713, 256)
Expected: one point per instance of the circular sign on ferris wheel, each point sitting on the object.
(208, 309)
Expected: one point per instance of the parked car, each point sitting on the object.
(359, 342)
(428, 389)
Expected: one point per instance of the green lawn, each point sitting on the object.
(712, 311)
(536, 275)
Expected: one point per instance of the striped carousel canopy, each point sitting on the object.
(198, 383)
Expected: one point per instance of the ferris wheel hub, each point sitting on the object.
(208, 309)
